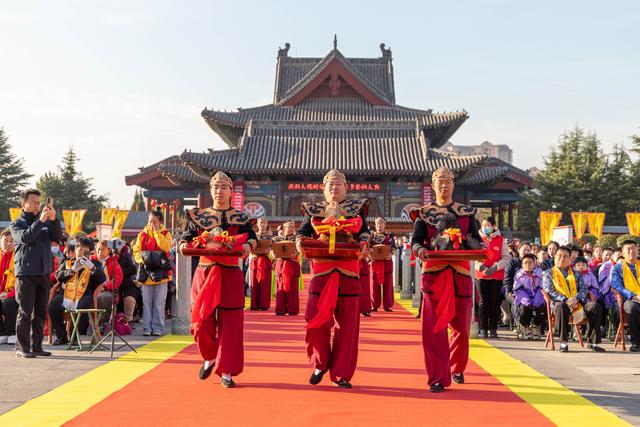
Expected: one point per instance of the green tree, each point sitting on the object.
(572, 174)
(138, 201)
(70, 190)
(13, 177)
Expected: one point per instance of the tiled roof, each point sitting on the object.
(491, 169)
(377, 73)
(178, 173)
(313, 148)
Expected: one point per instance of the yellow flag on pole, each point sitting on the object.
(596, 223)
(118, 225)
(73, 220)
(548, 221)
(633, 221)
(14, 213)
(108, 215)
(579, 223)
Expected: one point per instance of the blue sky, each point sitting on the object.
(124, 82)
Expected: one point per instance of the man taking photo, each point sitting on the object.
(33, 232)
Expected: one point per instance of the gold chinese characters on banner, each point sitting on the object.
(14, 213)
(580, 222)
(73, 220)
(118, 225)
(633, 221)
(108, 215)
(548, 221)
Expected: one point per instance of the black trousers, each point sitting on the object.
(32, 294)
(489, 303)
(632, 313)
(529, 315)
(8, 315)
(56, 313)
(594, 315)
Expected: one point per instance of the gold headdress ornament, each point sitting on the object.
(380, 219)
(334, 174)
(221, 177)
(442, 172)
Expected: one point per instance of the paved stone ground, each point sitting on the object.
(611, 379)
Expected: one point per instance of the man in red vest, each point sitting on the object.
(446, 287)
(490, 275)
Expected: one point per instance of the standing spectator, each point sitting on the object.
(490, 276)
(8, 304)
(33, 232)
(552, 248)
(151, 253)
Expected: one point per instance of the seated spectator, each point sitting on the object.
(80, 278)
(575, 253)
(568, 294)
(552, 248)
(542, 255)
(151, 253)
(129, 292)
(606, 299)
(111, 269)
(598, 253)
(8, 304)
(581, 266)
(625, 278)
(529, 302)
(514, 265)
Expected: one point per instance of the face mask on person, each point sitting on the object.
(487, 230)
(56, 251)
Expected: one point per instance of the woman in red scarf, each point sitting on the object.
(8, 304)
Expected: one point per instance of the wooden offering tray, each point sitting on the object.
(457, 255)
(380, 252)
(285, 249)
(262, 248)
(211, 252)
(312, 248)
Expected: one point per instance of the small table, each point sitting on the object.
(75, 314)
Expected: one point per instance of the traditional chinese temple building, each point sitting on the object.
(333, 112)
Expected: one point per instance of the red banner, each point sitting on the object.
(428, 195)
(237, 200)
(316, 186)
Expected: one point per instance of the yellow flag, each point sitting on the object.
(108, 215)
(596, 223)
(118, 225)
(633, 221)
(548, 221)
(73, 220)
(14, 213)
(67, 218)
(579, 223)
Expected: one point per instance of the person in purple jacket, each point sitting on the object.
(582, 265)
(607, 299)
(529, 301)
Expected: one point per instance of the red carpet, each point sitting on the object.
(389, 386)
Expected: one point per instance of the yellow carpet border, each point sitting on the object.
(561, 405)
(73, 398)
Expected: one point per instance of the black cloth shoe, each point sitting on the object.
(388, 309)
(205, 373)
(279, 314)
(293, 314)
(458, 378)
(493, 333)
(374, 309)
(59, 341)
(315, 379)
(25, 354)
(564, 348)
(42, 353)
(342, 384)
(634, 349)
(227, 383)
(366, 314)
(597, 348)
(436, 388)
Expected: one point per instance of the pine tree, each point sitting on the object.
(138, 201)
(70, 190)
(13, 177)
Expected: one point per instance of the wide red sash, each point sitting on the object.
(207, 299)
(329, 294)
(287, 275)
(443, 292)
(261, 267)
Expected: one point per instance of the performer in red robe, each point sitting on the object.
(260, 265)
(217, 292)
(382, 270)
(334, 289)
(446, 287)
(287, 276)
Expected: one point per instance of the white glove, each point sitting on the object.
(86, 263)
(77, 265)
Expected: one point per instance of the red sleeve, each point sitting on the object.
(11, 293)
(56, 264)
(115, 273)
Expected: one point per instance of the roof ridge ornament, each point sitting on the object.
(335, 41)
(386, 53)
(285, 51)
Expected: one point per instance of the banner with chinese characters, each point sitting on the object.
(108, 215)
(579, 223)
(548, 221)
(237, 199)
(633, 221)
(317, 186)
(428, 195)
(73, 220)
(596, 223)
